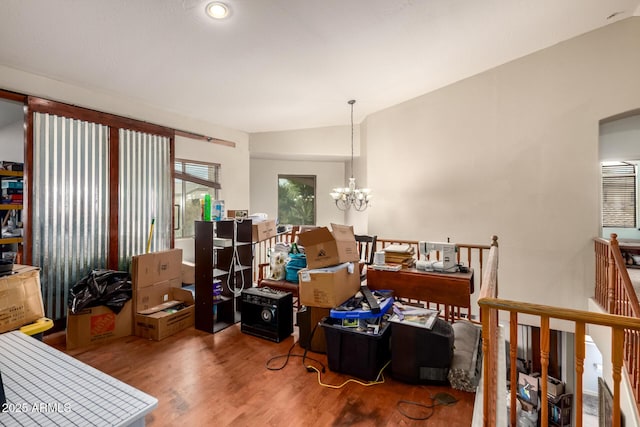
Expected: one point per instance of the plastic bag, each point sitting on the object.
(101, 287)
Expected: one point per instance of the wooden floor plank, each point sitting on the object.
(222, 379)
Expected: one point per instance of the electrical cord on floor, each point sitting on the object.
(287, 357)
(310, 368)
(379, 379)
(440, 399)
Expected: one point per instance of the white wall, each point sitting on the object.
(234, 172)
(328, 143)
(620, 139)
(513, 152)
(115, 103)
(330, 151)
(264, 186)
(12, 142)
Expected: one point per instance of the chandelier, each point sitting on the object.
(350, 196)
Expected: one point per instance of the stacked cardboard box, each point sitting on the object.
(332, 275)
(161, 306)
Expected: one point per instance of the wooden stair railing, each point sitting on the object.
(622, 327)
(614, 292)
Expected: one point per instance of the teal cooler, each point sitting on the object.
(356, 353)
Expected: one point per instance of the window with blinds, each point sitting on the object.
(619, 195)
(193, 180)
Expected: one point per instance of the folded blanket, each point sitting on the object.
(466, 364)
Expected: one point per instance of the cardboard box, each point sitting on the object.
(163, 320)
(153, 275)
(149, 269)
(188, 273)
(528, 388)
(157, 288)
(325, 248)
(263, 230)
(555, 387)
(20, 298)
(328, 287)
(97, 325)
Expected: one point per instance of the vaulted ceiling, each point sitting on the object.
(283, 64)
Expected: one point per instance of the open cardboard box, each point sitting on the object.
(325, 248)
(157, 290)
(99, 324)
(167, 318)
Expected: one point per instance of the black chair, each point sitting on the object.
(366, 249)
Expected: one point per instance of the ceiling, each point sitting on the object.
(283, 64)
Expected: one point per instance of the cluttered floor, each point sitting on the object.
(231, 378)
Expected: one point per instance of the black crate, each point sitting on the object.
(351, 352)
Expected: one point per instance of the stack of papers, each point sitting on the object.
(402, 254)
(421, 317)
(387, 267)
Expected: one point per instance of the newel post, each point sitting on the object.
(611, 273)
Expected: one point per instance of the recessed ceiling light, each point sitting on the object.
(217, 10)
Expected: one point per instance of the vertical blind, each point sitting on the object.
(70, 203)
(619, 195)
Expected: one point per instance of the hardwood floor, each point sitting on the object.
(201, 379)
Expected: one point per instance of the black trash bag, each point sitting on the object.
(101, 287)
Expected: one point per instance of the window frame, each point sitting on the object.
(185, 177)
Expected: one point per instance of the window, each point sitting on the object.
(297, 199)
(193, 180)
(619, 195)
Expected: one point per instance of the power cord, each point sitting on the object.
(440, 399)
(287, 357)
(235, 261)
(379, 379)
(310, 368)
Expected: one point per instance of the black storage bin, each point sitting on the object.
(355, 353)
(420, 355)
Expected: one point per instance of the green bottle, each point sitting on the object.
(207, 207)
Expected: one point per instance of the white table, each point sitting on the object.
(45, 387)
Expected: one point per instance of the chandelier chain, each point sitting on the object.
(351, 196)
